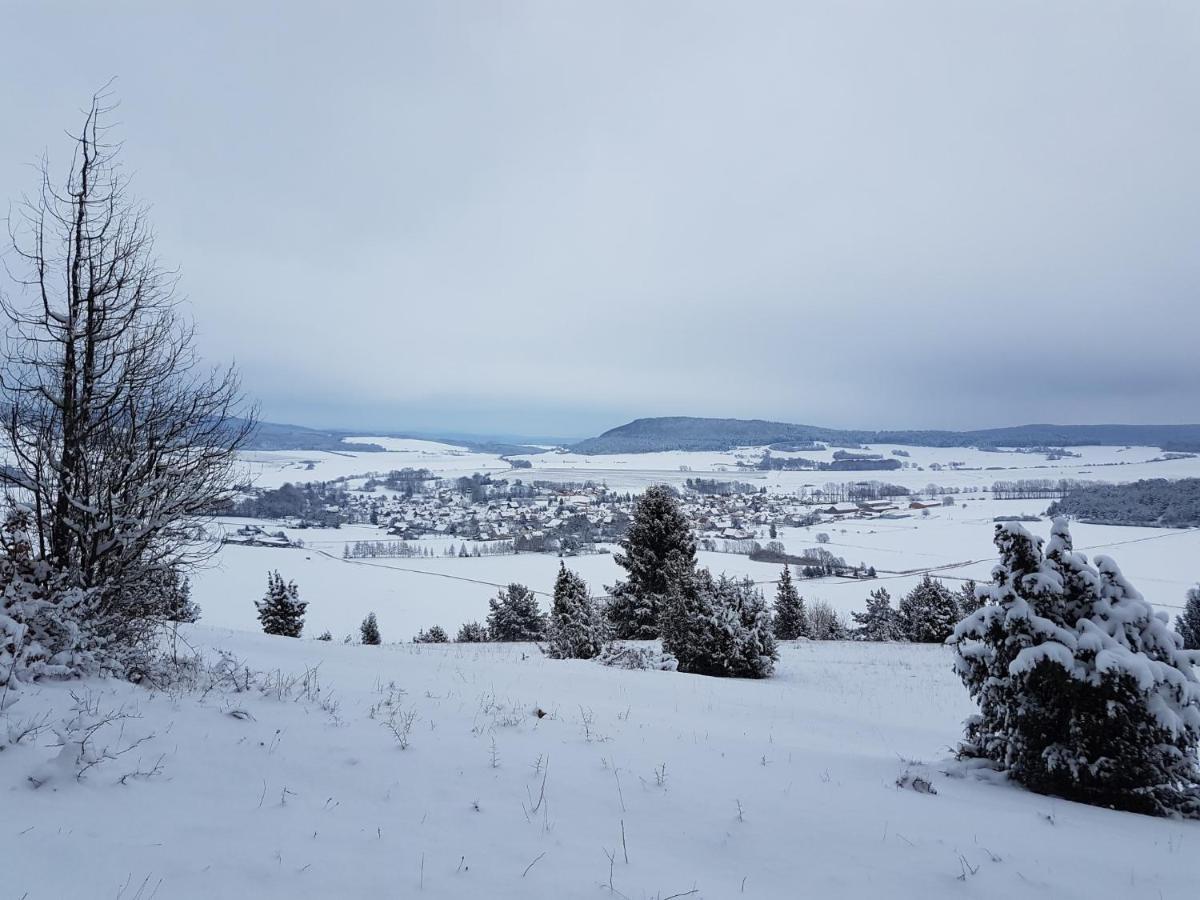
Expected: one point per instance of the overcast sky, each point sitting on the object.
(554, 217)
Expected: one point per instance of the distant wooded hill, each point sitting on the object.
(688, 433)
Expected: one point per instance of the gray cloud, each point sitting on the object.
(553, 217)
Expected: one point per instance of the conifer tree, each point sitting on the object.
(178, 605)
(435, 635)
(879, 622)
(1084, 691)
(1188, 625)
(369, 630)
(471, 633)
(968, 599)
(718, 627)
(658, 552)
(281, 611)
(791, 619)
(575, 630)
(515, 616)
(929, 612)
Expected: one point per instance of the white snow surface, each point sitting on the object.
(411, 594)
(761, 789)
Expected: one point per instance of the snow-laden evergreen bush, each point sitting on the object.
(177, 603)
(929, 612)
(471, 633)
(281, 611)
(576, 630)
(658, 552)
(1188, 624)
(790, 620)
(515, 615)
(435, 635)
(42, 614)
(369, 630)
(879, 621)
(718, 627)
(968, 598)
(625, 656)
(1084, 691)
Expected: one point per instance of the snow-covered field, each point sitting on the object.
(635, 471)
(631, 785)
(979, 468)
(634, 784)
(411, 594)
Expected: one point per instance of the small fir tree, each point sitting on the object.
(718, 627)
(281, 611)
(575, 629)
(178, 605)
(515, 615)
(658, 551)
(435, 635)
(929, 612)
(968, 598)
(1188, 624)
(879, 622)
(43, 632)
(369, 630)
(1084, 691)
(471, 633)
(791, 618)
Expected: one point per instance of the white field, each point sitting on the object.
(773, 789)
(635, 471)
(636, 785)
(411, 594)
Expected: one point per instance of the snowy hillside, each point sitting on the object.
(638, 784)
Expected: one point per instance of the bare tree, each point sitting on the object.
(117, 438)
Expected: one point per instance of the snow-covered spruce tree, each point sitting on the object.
(281, 611)
(929, 612)
(1188, 624)
(1083, 690)
(968, 598)
(177, 603)
(658, 552)
(435, 635)
(879, 622)
(515, 615)
(471, 633)
(369, 630)
(112, 433)
(43, 616)
(718, 627)
(575, 630)
(790, 620)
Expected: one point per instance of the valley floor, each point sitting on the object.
(635, 784)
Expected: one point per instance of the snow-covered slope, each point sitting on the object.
(633, 784)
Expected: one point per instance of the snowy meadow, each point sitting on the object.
(273, 767)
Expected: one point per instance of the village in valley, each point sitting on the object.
(495, 516)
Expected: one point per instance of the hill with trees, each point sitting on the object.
(700, 434)
(1154, 501)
